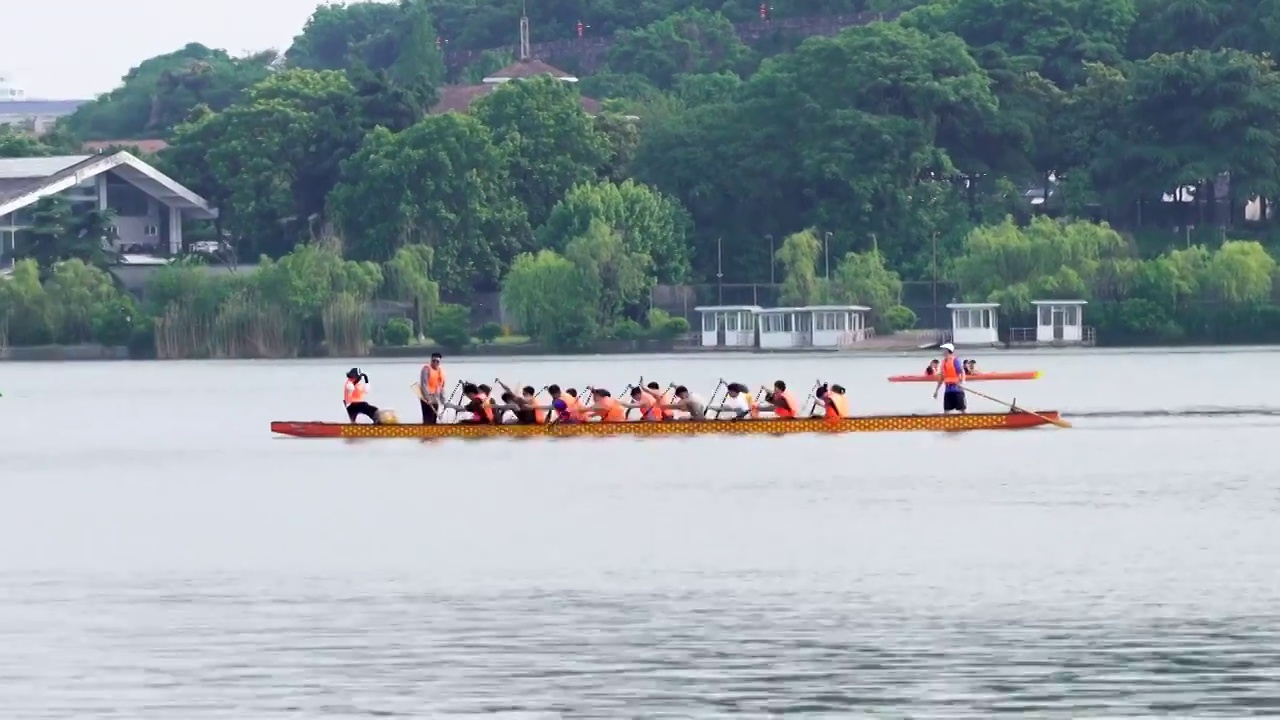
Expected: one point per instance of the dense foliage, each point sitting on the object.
(1013, 149)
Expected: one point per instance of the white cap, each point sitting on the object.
(948, 347)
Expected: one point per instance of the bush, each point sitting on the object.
(898, 317)
(451, 326)
(113, 321)
(397, 332)
(627, 329)
(663, 326)
(488, 332)
(142, 340)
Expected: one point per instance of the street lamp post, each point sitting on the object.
(935, 280)
(826, 247)
(720, 270)
(772, 279)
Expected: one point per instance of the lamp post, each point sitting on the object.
(826, 247)
(935, 280)
(772, 279)
(720, 270)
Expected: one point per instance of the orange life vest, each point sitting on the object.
(668, 398)
(752, 405)
(649, 407)
(948, 369)
(789, 400)
(435, 379)
(610, 411)
(486, 408)
(837, 406)
(353, 392)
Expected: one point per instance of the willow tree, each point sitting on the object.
(799, 257)
(407, 278)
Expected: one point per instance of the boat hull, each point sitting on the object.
(975, 377)
(766, 426)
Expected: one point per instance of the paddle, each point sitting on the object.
(817, 384)
(1015, 408)
(716, 391)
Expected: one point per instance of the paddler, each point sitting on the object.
(970, 367)
(476, 402)
(687, 402)
(737, 400)
(524, 407)
(431, 389)
(605, 407)
(353, 393)
(664, 398)
(951, 377)
(781, 401)
(562, 411)
(834, 404)
(650, 407)
(932, 368)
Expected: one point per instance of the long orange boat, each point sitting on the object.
(1023, 375)
(767, 426)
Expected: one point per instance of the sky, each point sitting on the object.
(78, 49)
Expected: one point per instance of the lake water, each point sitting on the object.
(162, 556)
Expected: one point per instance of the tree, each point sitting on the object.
(161, 92)
(57, 233)
(334, 34)
(1048, 259)
(274, 159)
(1056, 37)
(1240, 272)
(1173, 123)
(451, 326)
(799, 258)
(690, 41)
(550, 300)
(863, 279)
(648, 223)
(442, 183)
(618, 278)
(407, 277)
(24, 307)
(78, 295)
(550, 141)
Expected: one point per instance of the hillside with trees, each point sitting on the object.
(1121, 151)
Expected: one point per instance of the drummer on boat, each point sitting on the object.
(353, 394)
(951, 376)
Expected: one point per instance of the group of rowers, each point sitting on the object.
(486, 406)
(483, 404)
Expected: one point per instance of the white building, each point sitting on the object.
(975, 323)
(1061, 322)
(785, 328)
(836, 326)
(149, 207)
(728, 325)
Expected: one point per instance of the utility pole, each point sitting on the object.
(720, 269)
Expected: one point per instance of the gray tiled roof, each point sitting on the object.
(45, 108)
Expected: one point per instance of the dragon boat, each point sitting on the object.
(1015, 420)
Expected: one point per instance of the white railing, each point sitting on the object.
(853, 337)
(1022, 335)
(1089, 336)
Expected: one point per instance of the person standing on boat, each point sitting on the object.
(431, 389)
(353, 393)
(951, 376)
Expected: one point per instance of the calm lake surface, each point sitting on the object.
(162, 556)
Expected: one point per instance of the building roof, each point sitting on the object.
(23, 181)
(459, 98)
(149, 146)
(726, 308)
(837, 308)
(36, 108)
(1059, 302)
(971, 306)
(527, 69)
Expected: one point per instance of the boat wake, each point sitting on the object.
(1203, 411)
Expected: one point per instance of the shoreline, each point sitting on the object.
(535, 351)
